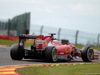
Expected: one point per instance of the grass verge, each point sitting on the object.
(61, 70)
(80, 47)
(10, 43)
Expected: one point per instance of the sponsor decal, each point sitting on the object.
(67, 51)
(39, 41)
(61, 52)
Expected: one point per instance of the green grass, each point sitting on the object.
(10, 43)
(7, 42)
(27, 44)
(61, 70)
(80, 47)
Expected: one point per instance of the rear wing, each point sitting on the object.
(37, 40)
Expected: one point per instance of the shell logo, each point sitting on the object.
(67, 51)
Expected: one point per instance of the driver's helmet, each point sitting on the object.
(63, 41)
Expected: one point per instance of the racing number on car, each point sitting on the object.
(67, 51)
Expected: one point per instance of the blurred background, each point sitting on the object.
(73, 20)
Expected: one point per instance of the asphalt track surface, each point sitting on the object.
(5, 59)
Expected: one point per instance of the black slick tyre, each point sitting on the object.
(87, 54)
(16, 52)
(50, 54)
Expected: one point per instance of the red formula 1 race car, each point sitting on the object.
(48, 48)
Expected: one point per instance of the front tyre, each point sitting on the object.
(87, 54)
(50, 54)
(16, 52)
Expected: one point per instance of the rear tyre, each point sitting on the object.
(16, 52)
(87, 54)
(50, 54)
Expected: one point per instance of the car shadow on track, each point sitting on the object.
(60, 61)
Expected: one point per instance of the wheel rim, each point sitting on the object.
(90, 54)
(54, 54)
